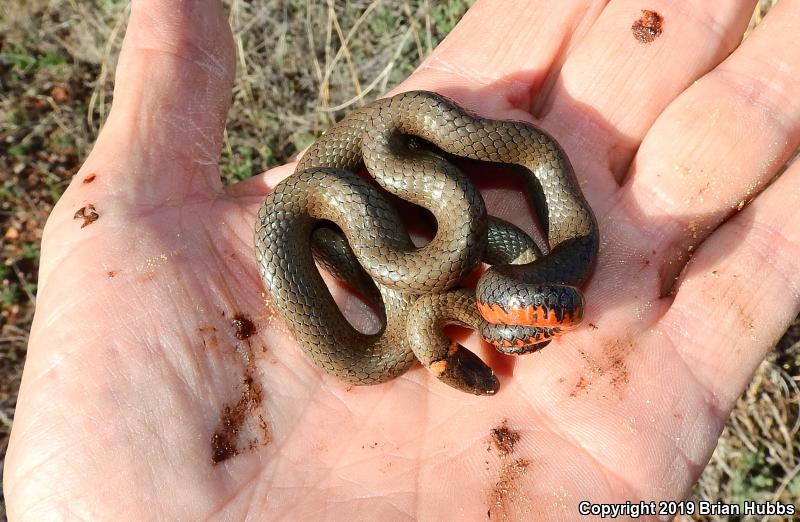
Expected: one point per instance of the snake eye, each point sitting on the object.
(414, 143)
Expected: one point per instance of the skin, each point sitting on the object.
(122, 391)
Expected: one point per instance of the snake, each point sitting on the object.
(328, 213)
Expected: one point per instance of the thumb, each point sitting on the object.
(171, 97)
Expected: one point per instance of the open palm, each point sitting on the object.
(146, 393)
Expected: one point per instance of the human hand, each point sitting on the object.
(138, 374)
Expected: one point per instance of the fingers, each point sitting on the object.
(172, 92)
(719, 143)
(740, 291)
(509, 46)
(615, 83)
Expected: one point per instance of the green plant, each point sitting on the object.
(18, 150)
(20, 59)
(445, 15)
(751, 476)
(30, 251)
(25, 60)
(53, 58)
(61, 142)
(9, 289)
(236, 165)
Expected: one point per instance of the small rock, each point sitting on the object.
(11, 233)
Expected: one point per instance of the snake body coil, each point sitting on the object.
(522, 301)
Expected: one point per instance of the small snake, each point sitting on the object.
(521, 302)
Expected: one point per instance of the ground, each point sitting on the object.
(301, 64)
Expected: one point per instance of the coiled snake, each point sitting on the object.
(521, 301)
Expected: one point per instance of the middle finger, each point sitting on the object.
(613, 85)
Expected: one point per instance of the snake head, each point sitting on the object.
(465, 371)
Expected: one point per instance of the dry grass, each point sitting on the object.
(301, 64)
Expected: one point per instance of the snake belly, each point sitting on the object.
(520, 302)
